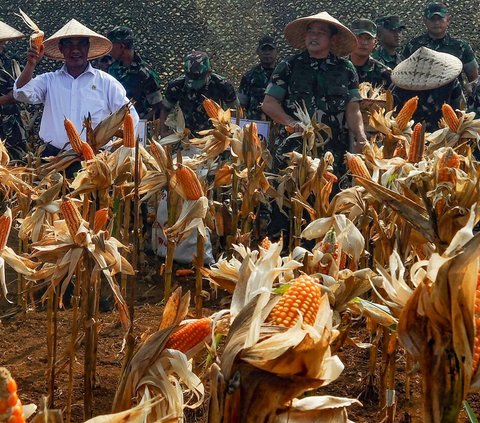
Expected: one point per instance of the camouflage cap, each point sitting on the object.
(364, 26)
(392, 22)
(197, 65)
(120, 33)
(436, 8)
(267, 41)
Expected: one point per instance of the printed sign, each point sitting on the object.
(263, 127)
(142, 131)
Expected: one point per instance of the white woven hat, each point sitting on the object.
(99, 45)
(343, 43)
(7, 33)
(426, 69)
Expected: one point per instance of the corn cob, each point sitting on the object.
(330, 177)
(400, 150)
(212, 108)
(417, 144)
(187, 182)
(449, 160)
(476, 343)
(100, 220)
(451, 118)
(73, 136)
(302, 296)
(10, 406)
(5, 226)
(87, 151)
(159, 155)
(36, 39)
(329, 245)
(72, 216)
(357, 166)
(265, 243)
(128, 131)
(189, 335)
(406, 112)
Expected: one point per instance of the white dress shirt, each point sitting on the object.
(94, 92)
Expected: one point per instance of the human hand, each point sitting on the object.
(34, 54)
(293, 127)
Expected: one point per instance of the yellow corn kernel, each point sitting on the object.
(73, 136)
(5, 226)
(451, 118)
(405, 114)
(302, 296)
(189, 335)
(72, 216)
(417, 144)
(357, 166)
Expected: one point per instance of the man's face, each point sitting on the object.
(437, 26)
(117, 50)
(365, 45)
(318, 38)
(75, 51)
(391, 37)
(268, 56)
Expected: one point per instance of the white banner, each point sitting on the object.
(263, 127)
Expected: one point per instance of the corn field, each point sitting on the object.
(395, 254)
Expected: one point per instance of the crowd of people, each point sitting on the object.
(332, 60)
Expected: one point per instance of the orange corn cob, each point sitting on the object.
(265, 243)
(189, 335)
(302, 296)
(476, 343)
(417, 144)
(159, 155)
(405, 114)
(128, 131)
(357, 166)
(73, 136)
(5, 226)
(187, 180)
(10, 406)
(87, 151)
(211, 107)
(330, 177)
(182, 273)
(451, 118)
(449, 160)
(72, 216)
(100, 220)
(36, 39)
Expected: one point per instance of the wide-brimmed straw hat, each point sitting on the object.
(7, 33)
(99, 45)
(343, 43)
(426, 69)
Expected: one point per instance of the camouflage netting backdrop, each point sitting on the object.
(227, 29)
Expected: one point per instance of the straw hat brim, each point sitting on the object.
(343, 43)
(99, 45)
(426, 69)
(7, 33)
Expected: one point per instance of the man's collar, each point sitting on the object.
(88, 69)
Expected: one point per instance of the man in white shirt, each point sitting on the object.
(76, 89)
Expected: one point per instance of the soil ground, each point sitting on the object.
(23, 351)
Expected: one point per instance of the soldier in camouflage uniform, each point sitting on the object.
(433, 77)
(140, 81)
(189, 91)
(437, 20)
(389, 37)
(368, 69)
(321, 78)
(12, 128)
(254, 82)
